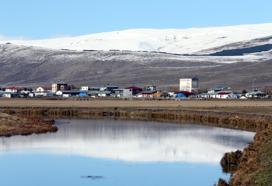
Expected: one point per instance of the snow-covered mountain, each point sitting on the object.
(234, 55)
(179, 41)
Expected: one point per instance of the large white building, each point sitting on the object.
(188, 84)
(59, 86)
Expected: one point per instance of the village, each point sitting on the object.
(188, 89)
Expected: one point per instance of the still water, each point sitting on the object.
(118, 153)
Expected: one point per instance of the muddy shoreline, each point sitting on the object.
(253, 167)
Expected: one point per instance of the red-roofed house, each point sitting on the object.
(135, 90)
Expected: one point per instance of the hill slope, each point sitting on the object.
(21, 65)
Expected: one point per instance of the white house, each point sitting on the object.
(255, 94)
(66, 95)
(123, 93)
(104, 93)
(40, 92)
(10, 95)
(40, 89)
(59, 93)
(7, 95)
(84, 88)
(225, 95)
(11, 90)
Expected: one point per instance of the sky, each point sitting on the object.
(38, 19)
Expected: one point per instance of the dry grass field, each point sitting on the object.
(246, 106)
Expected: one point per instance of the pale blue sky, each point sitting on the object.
(52, 18)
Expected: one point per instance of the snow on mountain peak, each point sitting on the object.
(181, 41)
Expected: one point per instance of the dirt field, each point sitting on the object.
(247, 106)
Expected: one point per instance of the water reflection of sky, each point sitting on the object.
(122, 152)
(133, 141)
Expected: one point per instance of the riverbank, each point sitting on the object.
(11, 125)
(254, 166)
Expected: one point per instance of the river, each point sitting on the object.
(119, 153)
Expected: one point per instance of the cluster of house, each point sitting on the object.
(64, 90)
(189, 88)
(222, 92)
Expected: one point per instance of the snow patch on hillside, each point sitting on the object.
(180, 41)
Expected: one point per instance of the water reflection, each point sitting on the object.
(132, 141)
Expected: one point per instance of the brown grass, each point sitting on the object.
(15, 125)
(228, 105)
